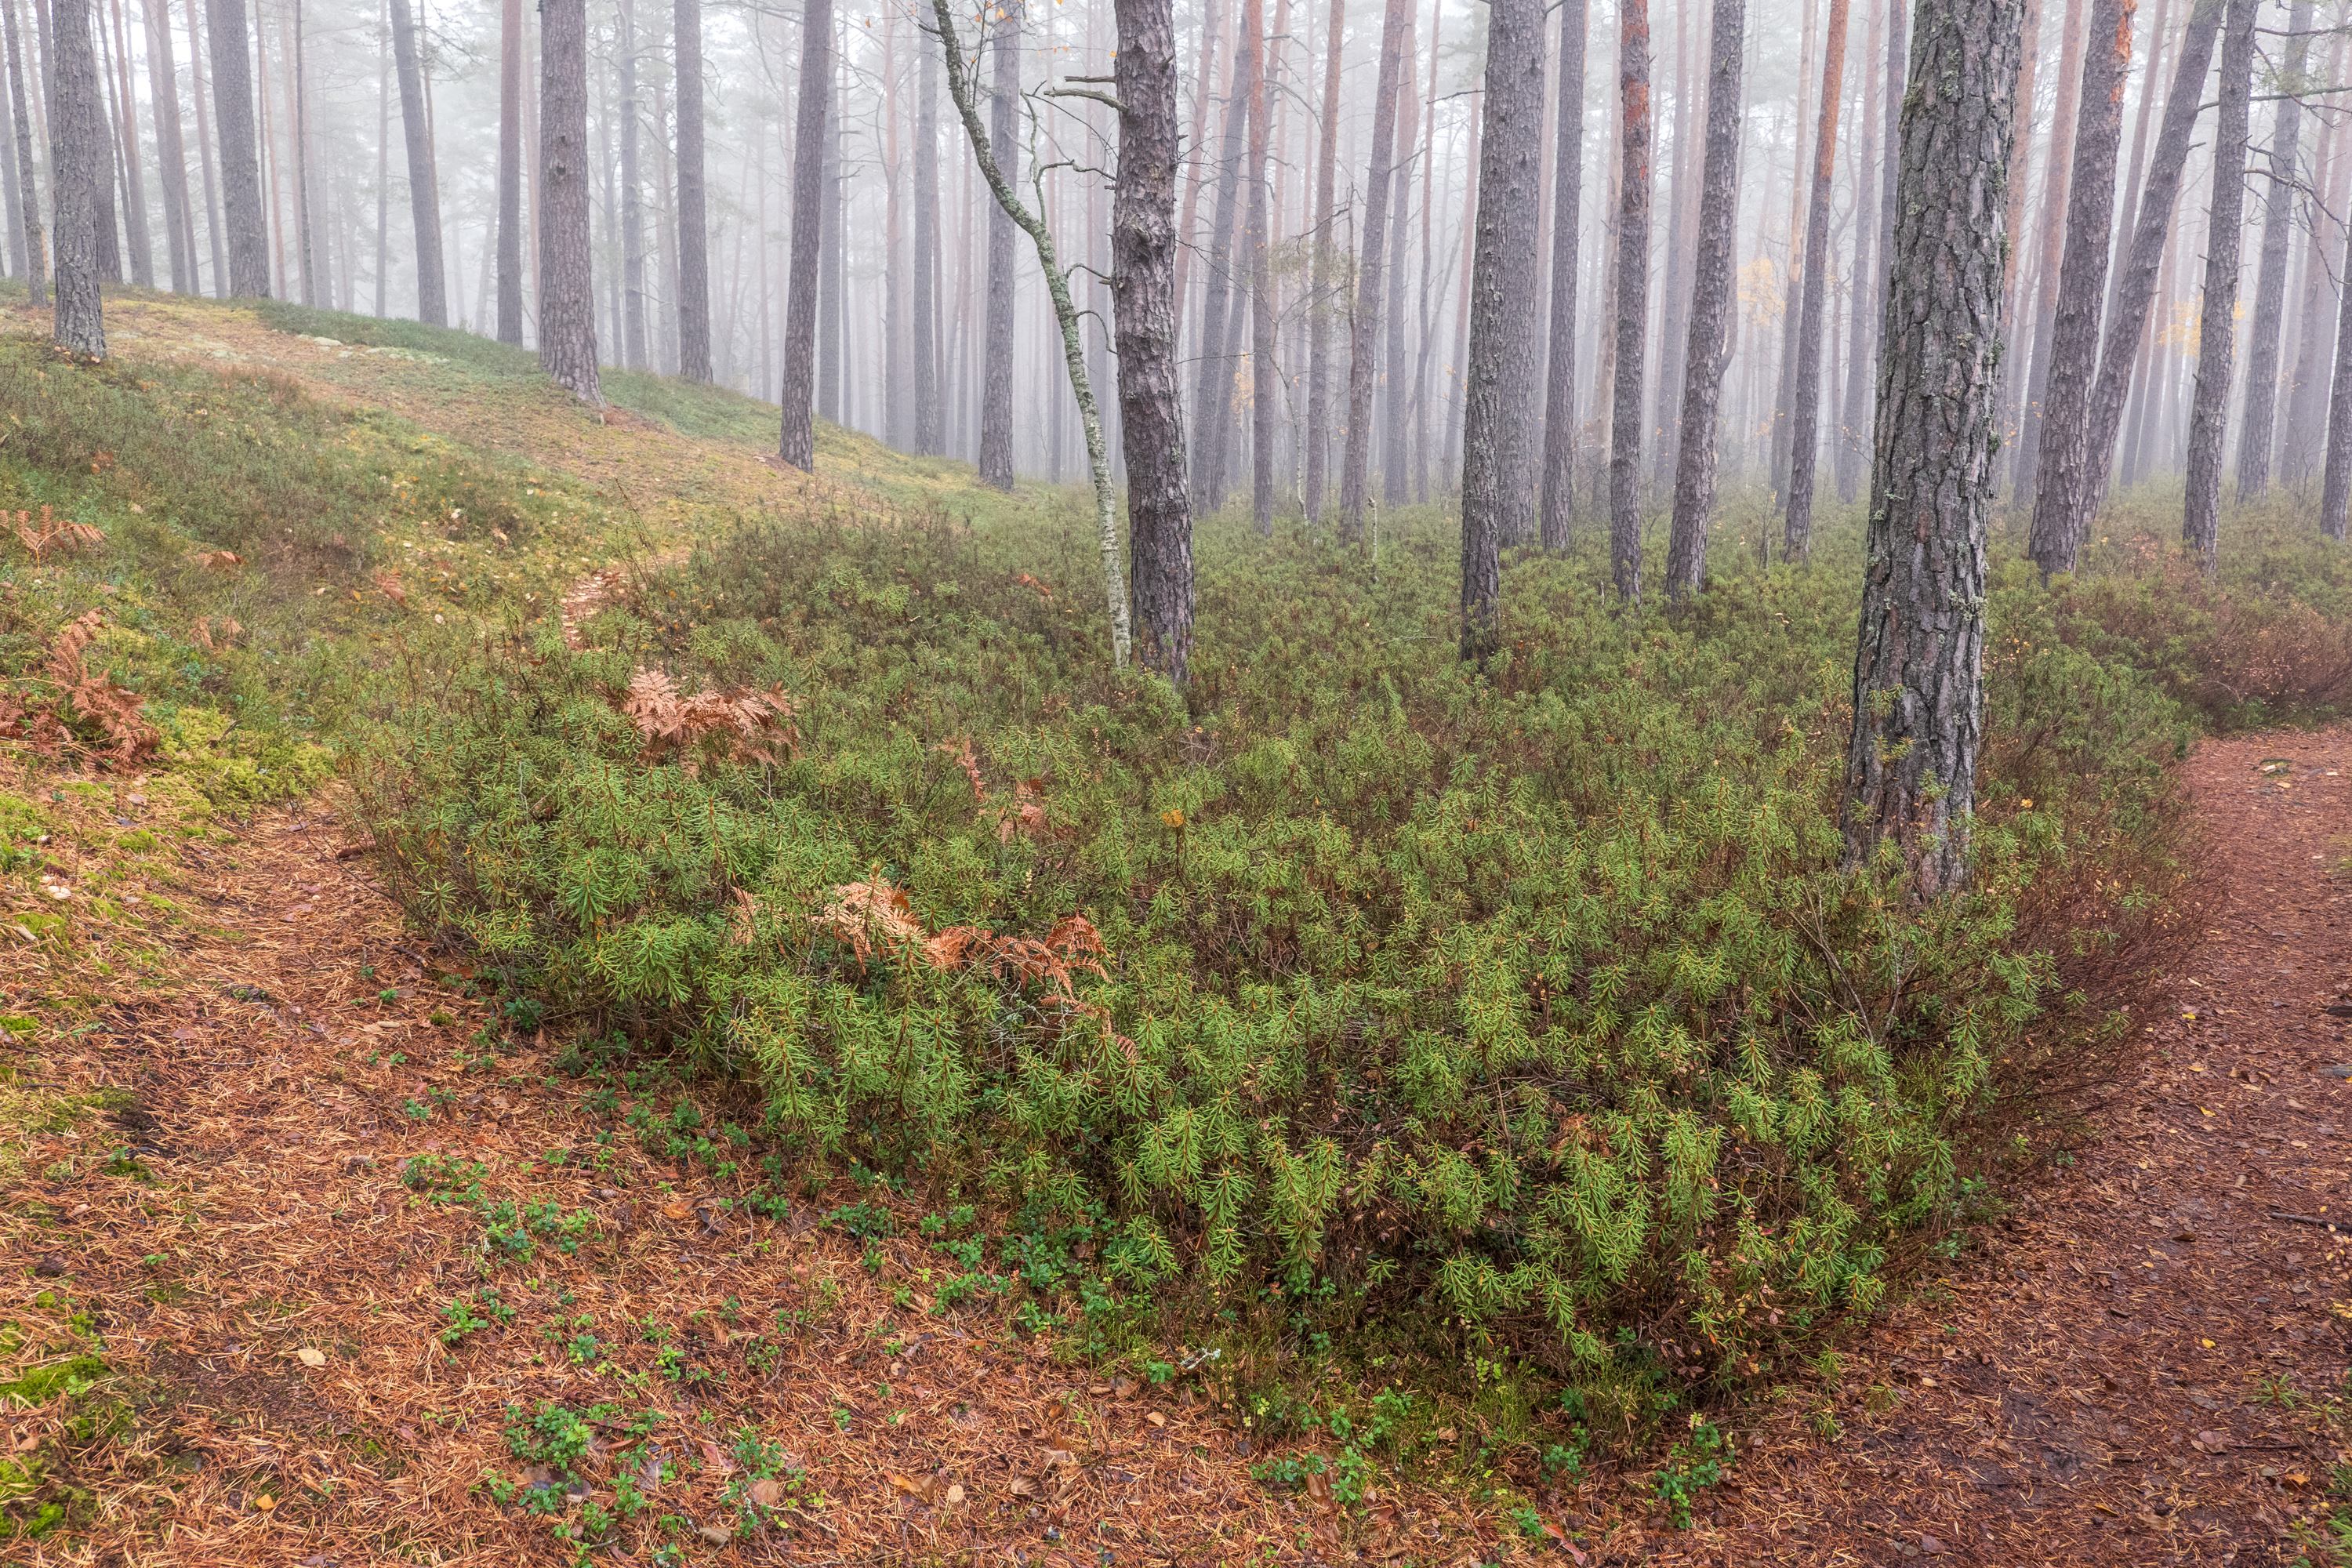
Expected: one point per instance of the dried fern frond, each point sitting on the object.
(753, 724)
(863, 913)
(961, 750)
(54, 531)
(115, 710)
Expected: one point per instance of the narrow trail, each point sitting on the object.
(2090, 1385)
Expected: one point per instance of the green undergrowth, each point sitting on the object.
(1352, 1001)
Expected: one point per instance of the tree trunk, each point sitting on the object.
(1918, 673)
(2336, 485)
(2054, 196)
(198, 91)
(171, 152)
(1211, 32)
(2208, 412)
(798, 444)
(1319, 329)
(2058, 540)
(1396, 399)
(1674, 324)
(1793, 301)
(1711, 305)
(567, 296)
(996, 376)
(19, 195)
(510, 172)
(2298, 444)
(1264, 378)
(35, 236)
(424, 200)
(1364, 364)
(1512, 130)
(631, 206)
(1847, 449)
(1522, 302)
(2270, 283)
(1805, 424)
(1213, 394)
(1568, 198)
(1897, 60)
(134, 185)
(693, 222)
(831, 298)
(2064, 482)
(78, 177)
(1632, 301)
(927, 253)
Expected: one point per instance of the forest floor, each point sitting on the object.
(242, 1243)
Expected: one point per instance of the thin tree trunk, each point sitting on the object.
(384, 169)
(1265, 379)
(1712, 300)
(2201, 521)
(2066, 482)
(1213, 371)
(2335, 484)
(2158, 37)
(248, 256)
(693, 222)
(996, 376)
(134, 181)
(1793, 300)
(20, 196)
(1918, 674)
(1568, 198)
(1632, 301)
(1805, 424)
(306, 211)
(1428, 256)
(510, 172)
(567, 296)
(1523, 301)
(78, 177)
(1363, 363)
(170, 152)
(199, 92)
(928, 436)
(1898, 63)
(2055, 187)
(1320, 303)
(1211, 32)
(1848, 449)
(423, 199)
(1674, 327)
(35, 236)
(1508, 167)
(2254, 435)
(830, 306)
(2296, 448)
(797, 444)
(1396, 399)
(631, 210)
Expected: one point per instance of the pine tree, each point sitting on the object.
(35, 236)
(693, 224)
(423, 198)
(1633, 299)
(77, 141)
(1318, 329)
(996, 373)
(567, 297)
(1805, 422)
(1364, 364)
(509, 237)
(248, 256)
(171, 154)
(2200, 522)
(2260, 418)
(797, 446)
(1711, 305)
(1567, 187)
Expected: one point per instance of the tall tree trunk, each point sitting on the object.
(1918, 672)
(1523, 302)
(1265, 379)
(1319, 307)
(248, 255)
(1212, 33)
(2300, 442)
(693, 222)
(797, 444)
(1632, 301)
(510, 172)
(306, 210)
(170, 152)
(134, 182)
(1213, 390)
(2335, 484)
(2158, 37)
(1805, 424)
(199, 92)
(19, 195)
(423, 199)
(1143, 315)
(631, 207)
(1395, 392)
(35, 236)
(927, 255)
(78, 177)
(2200, 521)
(1364, 364)
(996, 376)
(1712, 298)
(1568, 199)
(1674, 325)
(830, 306)
(2255, 433)
(567, 294)
(1847, 449)
(1512, 133)
(2135, 291)
(2066, 482)
(1898, 61)
(1792, 304)
(2053, 237)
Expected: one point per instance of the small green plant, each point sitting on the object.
(471, 1314)
(1698, 1462)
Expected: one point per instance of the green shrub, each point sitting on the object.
(1532, 999)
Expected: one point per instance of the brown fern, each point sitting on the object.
(55, 531)
(742, 724)
(115, 710)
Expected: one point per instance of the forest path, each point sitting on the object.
(2099, 1380)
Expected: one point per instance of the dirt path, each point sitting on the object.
(2089, 1387)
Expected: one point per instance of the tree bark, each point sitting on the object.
(1805, 424)
(1632, 301)
(2208, 412)
(1511, 128)
(2260, 417)
(567, 296)
(1568, 198)
(1674, 324)
(630, 210)
(171, 150)
(1792, 308)
(2063, 480)
(1711, 305)
(2336, 482)
(996, 374)
(1319, 329)
(1395, 399)
(126, 141)
(2053, 237)
(2297, 443)
(78, 177)
(198, 92)
(510, 172)
(960, 93)
(693, 222)
(927, 254)
(35, 234)
(2058, 541)
(248, 256)
(1848, 447)
(1143, 316)
(1520, 457)
(831, 299)
(1212, 394)
(1364, 364)
(423, 199)
(1918, 673)
(798, 443)
(1265, 379)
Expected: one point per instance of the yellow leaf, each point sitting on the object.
(310, 1357)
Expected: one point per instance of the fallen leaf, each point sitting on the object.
(924, 1490)
(715, 1535)
(716, 1458)
(310, 1357)
(1155, 1419)
(765, 1491)
(265, 1502)
(955, 1495)
(1932, 1547)
(1318, 1487)
(1025, 1486)
(678, 1211)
